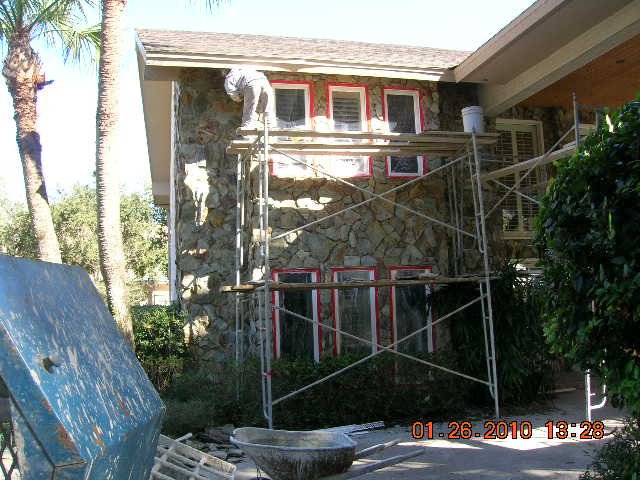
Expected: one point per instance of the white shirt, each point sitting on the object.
(238, 78)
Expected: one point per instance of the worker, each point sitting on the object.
(253, 86)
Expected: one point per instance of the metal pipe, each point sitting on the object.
(369, 200)
(576, 120)
(531, 199)
(382, 348)
(368, 192)
(485, 254)
(519, 181)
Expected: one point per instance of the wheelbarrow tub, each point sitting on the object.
(291, 455)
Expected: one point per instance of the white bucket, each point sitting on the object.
(472, 119)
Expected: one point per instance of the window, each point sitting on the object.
(293, 336)
(519, 140)
(294, 111)
(294, 104)
(348, 111)
(410, 311)
(355, 311)
(402, 110)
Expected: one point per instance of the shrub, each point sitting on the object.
(619, 458)
(523, 358)
(160, 345)
(587, 232)
(368, 392)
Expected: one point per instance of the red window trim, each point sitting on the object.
(334, 312)
(393, 303)
(272, 169)
(384, 119)
(276, 313)
(367, 110)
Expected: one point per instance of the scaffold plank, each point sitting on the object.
(429, 136)
(538, 161)
(279, 286)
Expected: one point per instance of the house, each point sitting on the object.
(523, 77)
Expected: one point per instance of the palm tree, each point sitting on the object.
(57, 22)
(112, 259)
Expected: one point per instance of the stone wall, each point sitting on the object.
(375, 235)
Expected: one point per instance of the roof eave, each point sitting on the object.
(162, 61)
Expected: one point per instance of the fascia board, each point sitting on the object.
(618, 28)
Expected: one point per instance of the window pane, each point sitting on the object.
(296, 335)
(290, 107)
(344, 166)
(354, 311)
(401, 113)
(346, 111)
(412, 313)
(286, 166)
(401, 116)
(405, 165)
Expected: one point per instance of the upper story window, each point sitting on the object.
(293, 336)
(402, 110)
(294, 104)
(355, 311)
(294, 111)
(348, 111)
(520, 140)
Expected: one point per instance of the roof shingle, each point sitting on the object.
(206, 43)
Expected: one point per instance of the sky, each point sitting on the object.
(67, 107)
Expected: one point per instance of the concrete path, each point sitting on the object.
(477, 458)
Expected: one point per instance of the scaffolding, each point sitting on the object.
(462, 153)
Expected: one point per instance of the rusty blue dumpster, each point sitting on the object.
(82, 405)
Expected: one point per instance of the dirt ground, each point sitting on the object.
(537, 457)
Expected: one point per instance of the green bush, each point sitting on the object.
(619, 458)
(587, 232)
(371, 391)
(160, 345)
(523, 358)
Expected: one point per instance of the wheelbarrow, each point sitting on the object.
(315, 455)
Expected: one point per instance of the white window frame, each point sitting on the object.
(282, 166)
(537, 124)
(315, 302)
(417, 115)
(281, 85)
(373, 302)
(431, 337)
(364, 124)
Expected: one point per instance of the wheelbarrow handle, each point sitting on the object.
(375, 448)
(371, 467)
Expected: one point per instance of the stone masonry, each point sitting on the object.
(375, 235)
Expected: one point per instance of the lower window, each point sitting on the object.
(293, 336)
(411, 312)
(355, 311)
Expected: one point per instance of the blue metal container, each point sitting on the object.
(82, 404)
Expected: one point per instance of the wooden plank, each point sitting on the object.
(370, 151)
(424, 137)
(279, 286)
(527, 164)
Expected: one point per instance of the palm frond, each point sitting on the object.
(7, 20)
(79, 45)
(209, 4)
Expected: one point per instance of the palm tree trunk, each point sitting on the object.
(21, 70)
(112, 259)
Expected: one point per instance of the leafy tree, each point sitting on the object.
(75, 221)
(112, 258)
(588, 231)
(59, 23)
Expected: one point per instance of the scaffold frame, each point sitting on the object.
(458, 147)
